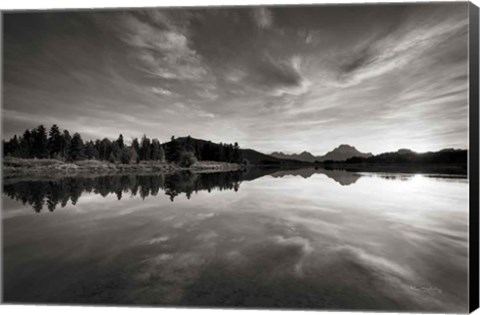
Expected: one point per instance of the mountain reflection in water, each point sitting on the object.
(51, 193)
(306, 238)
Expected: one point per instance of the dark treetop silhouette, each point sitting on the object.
(185, 151)
(61, 145)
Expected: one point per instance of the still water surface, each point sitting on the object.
(302, 239)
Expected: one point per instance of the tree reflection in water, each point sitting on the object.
(55, 192)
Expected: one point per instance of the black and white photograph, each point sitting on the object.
(295, 157)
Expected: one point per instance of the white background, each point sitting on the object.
(81, 310)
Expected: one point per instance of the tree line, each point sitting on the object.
(446, 156)
(57, 144)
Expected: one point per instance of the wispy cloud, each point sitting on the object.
(270, 78)
(396, 51)
(160, 91)
(263, 17)
(164, 53)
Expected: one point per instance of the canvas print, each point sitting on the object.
(292, 157)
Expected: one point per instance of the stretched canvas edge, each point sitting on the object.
(473, 158)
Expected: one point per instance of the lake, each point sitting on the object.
(308, 238)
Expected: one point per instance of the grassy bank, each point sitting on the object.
(13, 167)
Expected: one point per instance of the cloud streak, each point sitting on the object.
(263, 17)
(393, 53)
(164, 53)
(270, 78)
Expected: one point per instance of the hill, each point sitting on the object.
(340, 153)
(207, 150)
(405, 156)
(255, 157)
(304, 156)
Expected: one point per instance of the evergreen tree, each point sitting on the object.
(77, 148)
(237, 154)
(173, 150)
(40, 142)
(136, 146)
(54, 141)
(36, 144)
(189, 144)
(129, 155)
(161, 154)
(120, 142)
(65, 144)
(115, 155)
(156, 151)
(26, 142)
(11, 147)
(145, 149)
(104, 149)
(90, 151)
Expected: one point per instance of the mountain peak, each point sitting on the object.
(340, 153)
(345, 146)
(405, 151)
(304, 156)
(306, 153)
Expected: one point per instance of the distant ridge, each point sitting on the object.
(340, 153)
(406, 156)
(251, 156)
(304, 156)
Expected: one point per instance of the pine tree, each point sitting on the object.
(115, 153)
(136, 146)
(90, 151)
(36, 144)
(155, 153)
(77, 148)
(173, 150)
(237, 154)
(161, 154)
(26, 142)
(104, 148)
(129, 155)
(54, 141)
(40, 142)
(145, 148)
(120, 142)
(65, 144)
(11, 147)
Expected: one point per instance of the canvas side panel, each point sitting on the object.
(473, 157)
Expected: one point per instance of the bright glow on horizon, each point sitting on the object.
(272, 79)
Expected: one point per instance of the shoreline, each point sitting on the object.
(52, 168)
(15, 167)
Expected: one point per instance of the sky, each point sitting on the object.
(378, 77)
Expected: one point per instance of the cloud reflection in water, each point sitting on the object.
(277, 241)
